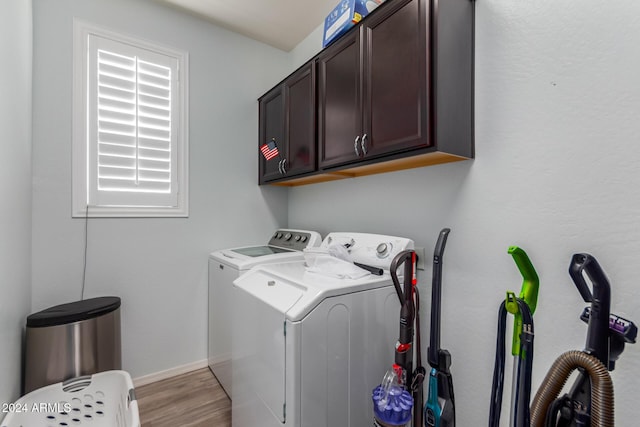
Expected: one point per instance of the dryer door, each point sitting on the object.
(260, 302)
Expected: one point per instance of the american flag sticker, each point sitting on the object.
(269, 150)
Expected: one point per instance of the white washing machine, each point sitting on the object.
(227, 265)
(309, 349)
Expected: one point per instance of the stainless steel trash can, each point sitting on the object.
(71, 340)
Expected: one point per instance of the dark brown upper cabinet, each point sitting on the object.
(340, 101)
(373, 96)
(396, 91)
(288, 117)
(271, 113)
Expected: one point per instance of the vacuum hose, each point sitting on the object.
(601, 388)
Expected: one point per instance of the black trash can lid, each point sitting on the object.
(73, 312)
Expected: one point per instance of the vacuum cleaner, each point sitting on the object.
(590, 401)
(440, 408)
(398, 399)
(522, 308)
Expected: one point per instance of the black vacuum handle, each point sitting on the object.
(436, 296)
(442, 241)
(403, 257)
(404, 347)
(407, 309)
(600, 299)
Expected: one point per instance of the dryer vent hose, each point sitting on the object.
(601, 388)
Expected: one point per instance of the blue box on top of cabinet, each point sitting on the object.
(344, 16)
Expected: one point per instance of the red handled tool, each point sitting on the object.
(409, 315)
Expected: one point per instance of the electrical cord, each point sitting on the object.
(498, 369)
(524, 372)
(420, 372)
(555, 408)
(522, 412)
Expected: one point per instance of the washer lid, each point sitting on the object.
(235, 259)
(258, 251)
(73, 312)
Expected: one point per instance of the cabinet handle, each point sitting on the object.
(364, 144)
(280, 166)
(284, 166)
(355, 145)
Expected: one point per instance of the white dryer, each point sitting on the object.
(227, 265)
(309, 349)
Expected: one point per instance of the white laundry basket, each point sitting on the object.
(105, 399)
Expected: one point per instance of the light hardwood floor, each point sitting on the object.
(194, 399)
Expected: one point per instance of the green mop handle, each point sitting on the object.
(528, 293)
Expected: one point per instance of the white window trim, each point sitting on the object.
(81, 32)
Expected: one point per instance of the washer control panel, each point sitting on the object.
(296, 240)
(376, 250)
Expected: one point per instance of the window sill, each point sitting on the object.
(130, 212)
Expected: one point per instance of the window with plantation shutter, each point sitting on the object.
(133, 142)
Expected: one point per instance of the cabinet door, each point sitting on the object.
(339, 93)
(300, 95)
(271, 111)
(395, 79)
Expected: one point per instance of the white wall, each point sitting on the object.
(157, 266)
(15, 189)
(556, 172)
(307, 48)
(557, 101)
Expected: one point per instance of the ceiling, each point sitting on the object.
(279, 23)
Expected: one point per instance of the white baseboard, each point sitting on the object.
(163, 375)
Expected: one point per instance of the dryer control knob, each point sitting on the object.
(297, 238)
(382, 249)
(279, 236)
(287, 236)
(303, 239)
